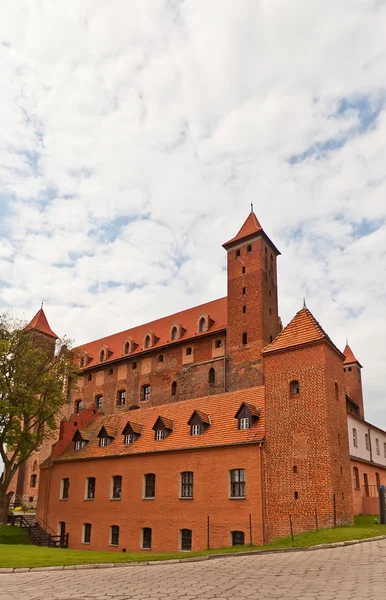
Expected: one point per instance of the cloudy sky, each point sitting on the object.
(135, 135)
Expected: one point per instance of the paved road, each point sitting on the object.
(352, 572)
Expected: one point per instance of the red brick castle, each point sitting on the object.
(213, 426)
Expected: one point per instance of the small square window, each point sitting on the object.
(159, 434)
(129, 438)
(134, 365)
(244, 423)
(237, 252)
(195, 430)
(243, 270)
(188, 351)
(249, 248)
(103, 442)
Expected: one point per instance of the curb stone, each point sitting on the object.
(192, 558)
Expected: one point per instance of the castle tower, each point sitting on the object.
(306, 454)
(353, 380)
(25, 483)
(253, 320)
(41, 332)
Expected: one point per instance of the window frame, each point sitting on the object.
(234, 535)
(90, 488)
(198, 430)
(186, 540)
(294, 388)
(377, 447)
(103, 442)
(116, 487)
(146, 392)
(87, 527)
(173, 391)
(149, 486)
(65, 488)
(33, 480)
(121, 397)
(159, 434)
(146, 542)
(354, 437)
(244, 421)
(127, 437)
(237, 483)
(357, 484)
(99, 401)
(367, 442)
(114, 535)
(211, 376)
(186, 485)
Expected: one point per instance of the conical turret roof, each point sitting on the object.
(40, 323)
(349, 356)
(249, 229)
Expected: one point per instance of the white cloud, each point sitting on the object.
(134, 136)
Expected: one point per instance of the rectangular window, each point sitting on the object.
(90, 488)
(186, 539)
(377, 446)
(86, 533)
(244, 309)
(245, 338)
(367, 443)
(244, 423)
(121, 399)
(116, 491)
(244, 291)
(187, 484)
(78, 405)
(237, 538)
(146, 538)
(355, 438)
(103, 442)
(79, 444)
(196, 430)
(150, 485)
(237, 477)
(129, 438)
(159, 434)
(65, 488)
(114, 535)
(99, 402)
(384, 449)
(145, 392)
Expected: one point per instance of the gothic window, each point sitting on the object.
(211, 375)
(174, 388)
(202, 325)
(174, 334)
(82, 361)
(102, 355)
(35, 466)
(127, 348)
(147, 342)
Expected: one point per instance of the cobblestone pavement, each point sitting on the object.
(336, 574)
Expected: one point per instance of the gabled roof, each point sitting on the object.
(40, 323)
(217, 311)
(81, 435)
(252, 409)
(223, 430)
(204, 417)
(167, 423)
(109, 431)
(350, 357)
(135, 427)
(303, 329)
(251, 225)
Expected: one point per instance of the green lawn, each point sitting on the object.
(31, 556)
(13, 535)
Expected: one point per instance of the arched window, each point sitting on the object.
(147, 341)
(126, 349)
(174, 388)
(211, 375)
(35, 466)
(174, 335)
(336, 391)
(101, 355)
(202, 325)
(294, 388)
(82, 361)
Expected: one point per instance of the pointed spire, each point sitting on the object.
(40, 323)
(304, 303)
(349, 356)
(251, 226)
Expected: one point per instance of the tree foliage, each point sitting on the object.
(32, 381)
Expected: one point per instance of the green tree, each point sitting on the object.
(32, 381)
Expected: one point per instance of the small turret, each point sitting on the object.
(353, 381)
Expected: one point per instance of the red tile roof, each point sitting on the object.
(204, 417)
(303, 329)
(188, 319)
(223, 429)
(40, 323)
(251, 226)
(135, 427)
(349, 356)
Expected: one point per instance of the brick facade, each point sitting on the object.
(212, 358)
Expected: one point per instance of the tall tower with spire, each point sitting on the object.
(253, 320)
(353, 379)
(41, 332)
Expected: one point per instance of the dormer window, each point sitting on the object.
(106, 436)
(80, 439)
(82, 361)
(294, 388)
(126, 348)
(102, 356)
(147, 342)
(174, 334)
(198, 422)
(131, 432)
(162, 428)
(247, 415)
(202, 325)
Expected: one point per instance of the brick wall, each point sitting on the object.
(353, 385)
(306, 441)
(166, 514)
(366, 501)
